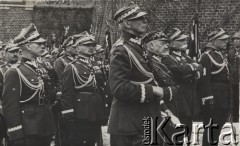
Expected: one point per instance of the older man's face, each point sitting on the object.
(138, 25)
(36, 49)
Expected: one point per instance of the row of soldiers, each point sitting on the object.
(47, 99)
(152, 75)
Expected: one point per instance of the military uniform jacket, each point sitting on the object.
(60, 65)
(183, 73)
(131, 82)
(234, 65)
(164, 78)
(3, 70)
(81, 99)
(25, 108)
(215, 81)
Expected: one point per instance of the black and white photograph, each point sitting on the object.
(119, 72)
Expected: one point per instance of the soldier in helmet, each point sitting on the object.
(214, 86)
(136, 94)
(25, 106)
(184, 70)
(82, 103)
(234, 59)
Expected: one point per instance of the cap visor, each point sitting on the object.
(182, 37)
(100, 50)
(89, 42)
(223, 37)
(40, 40)
(140, 14)
(163, 39)
(13, 49)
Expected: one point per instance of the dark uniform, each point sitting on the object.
(234, 67)
(25, 106)
(184, 73)
(214, 89)
(82, 102)
(61, 63)
(104, 83)
(3, 70)
(3, 127)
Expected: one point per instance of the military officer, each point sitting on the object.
(103, 64)
(136, 94)
(25, 106)
(234, 59)
(11, 56)
(82, 103)
(184, 70)
(156, 43)
(214, 86)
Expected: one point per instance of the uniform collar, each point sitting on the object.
(159, 59)
(32, 63)
(84, 59)
(131, 38)
(178, 53)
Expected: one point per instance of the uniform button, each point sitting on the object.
(13, 89)
(32, 79)
(106, 96)
(23, 112)
(85, 73)
(79, 100)
(106, 105)
(84, 141)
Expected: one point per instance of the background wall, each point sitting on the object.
(163, 14)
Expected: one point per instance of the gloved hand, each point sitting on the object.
(174, 120)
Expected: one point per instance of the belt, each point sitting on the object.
(39, 101)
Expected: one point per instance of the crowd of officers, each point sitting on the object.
(63, 96)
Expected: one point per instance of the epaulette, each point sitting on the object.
(200, 58)
(119, 42)
(15, 65)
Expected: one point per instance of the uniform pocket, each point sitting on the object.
(29, 118)
(82, 106)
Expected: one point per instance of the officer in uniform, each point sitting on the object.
(82, 103)
(136, 94)
(103, 64)
(234, 59)
(214, 86)
(25, 106)
(156, 43)
(11, 56)
(184, 71)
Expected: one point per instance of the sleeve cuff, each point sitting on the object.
(64, 112)
(15, 132)
(146, 93)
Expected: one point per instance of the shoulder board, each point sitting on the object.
(119, 42)
(15, 65)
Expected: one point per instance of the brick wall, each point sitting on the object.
(167, 14)
(163, 14)
(12, 20)
(51, 20)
